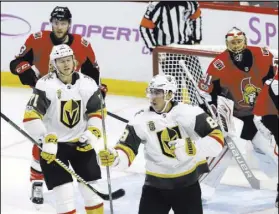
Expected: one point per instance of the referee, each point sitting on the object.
(175, 22)
(171, 22)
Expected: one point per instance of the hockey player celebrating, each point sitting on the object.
(177, 139)
(64, 115)
(33, 61)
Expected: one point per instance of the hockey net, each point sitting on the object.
(197, 59)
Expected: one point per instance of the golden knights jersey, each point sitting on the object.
(64, 108)
(155, 131)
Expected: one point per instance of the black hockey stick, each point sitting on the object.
(118, 117)
(115, 195)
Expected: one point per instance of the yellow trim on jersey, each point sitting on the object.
(176, 175)
(115, 86)
(98, 113)
(31, 115)
(95, 131)
(129, 152)
(218, 135)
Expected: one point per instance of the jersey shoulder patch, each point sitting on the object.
(38, 35)
(265, 51)
(84, 42)
(219, 64)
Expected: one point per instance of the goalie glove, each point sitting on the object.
(50, 147)
(108, 157)
(183, 148)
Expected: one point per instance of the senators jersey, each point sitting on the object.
(266, 101)
(64, 108)
(155, 131)
(240, 83)
(37, 49)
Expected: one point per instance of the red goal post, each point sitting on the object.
(197, 59)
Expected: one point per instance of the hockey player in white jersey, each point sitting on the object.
(64, 115)
(177, 140)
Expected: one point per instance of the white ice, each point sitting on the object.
(233, 196)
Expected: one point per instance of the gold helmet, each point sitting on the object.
(236, 40)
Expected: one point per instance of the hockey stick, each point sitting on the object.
(118, 117)
(106, 147)
(253, 181)
(115, 195)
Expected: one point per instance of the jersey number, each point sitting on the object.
(124, 135)
(212, 123)
(33, 100)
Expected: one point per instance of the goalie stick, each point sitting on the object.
(253, 181)
(115, 195)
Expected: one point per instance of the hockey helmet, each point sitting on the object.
(236, 40)
(60, 51)
(61, 13)
(162, 83)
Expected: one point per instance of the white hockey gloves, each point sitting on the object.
(183, 148)
(88, 139)
(50, 147)
(109, 157)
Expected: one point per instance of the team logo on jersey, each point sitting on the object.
(70, 112)
(249, 93)
(219, 64)
(151, 126)
(165, 136)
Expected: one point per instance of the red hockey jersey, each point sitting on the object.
(240, 86)
(38, 46)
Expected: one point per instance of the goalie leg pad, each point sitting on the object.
(65, 202)
(93, 203)
(268, 162)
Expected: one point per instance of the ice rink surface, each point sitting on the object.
(233, 196)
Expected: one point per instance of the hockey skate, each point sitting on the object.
(37, 193)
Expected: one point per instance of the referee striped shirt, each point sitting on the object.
(168, 22)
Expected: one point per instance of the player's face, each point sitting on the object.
(65, 65)
(236, 45)
(60, 28)
(157, 99)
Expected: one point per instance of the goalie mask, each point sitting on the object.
(61, 51)
(236, 41)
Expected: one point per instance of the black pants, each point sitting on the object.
(184, 200)
(84, 164)
(249, 129)
(271, 122)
